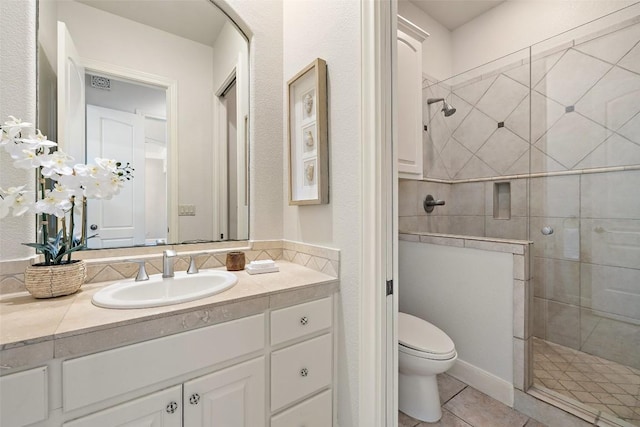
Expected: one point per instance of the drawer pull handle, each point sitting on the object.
(172, 407)
(304, 372)
(194, 399)
(304, 320)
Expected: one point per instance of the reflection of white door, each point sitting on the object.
(70, 96)
(117, 135)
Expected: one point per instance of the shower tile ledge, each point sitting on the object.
(516, 247)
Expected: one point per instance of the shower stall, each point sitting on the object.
(544, 146)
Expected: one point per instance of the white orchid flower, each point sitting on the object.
(52, 205)
(90, 170)
(108, 164)
(38, 140)
(26, 159)
(12, 127)
(56, 163)
(14, 198)
(21, 204)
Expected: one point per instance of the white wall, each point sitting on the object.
(468, 293)
(515, 25)
(436, 49)
(330, 29)
(18, 98)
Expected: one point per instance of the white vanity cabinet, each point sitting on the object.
(161, 409)
(23, 397)
(409, 87)
(302, 364)
(231, 397)
(273, 368)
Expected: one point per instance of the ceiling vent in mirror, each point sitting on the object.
(101, 82)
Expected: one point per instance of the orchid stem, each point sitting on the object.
(45, 222)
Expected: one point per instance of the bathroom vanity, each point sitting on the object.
(259, 354)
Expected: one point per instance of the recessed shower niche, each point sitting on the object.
(502, 200)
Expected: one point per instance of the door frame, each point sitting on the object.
(171, 88)
(378, 351)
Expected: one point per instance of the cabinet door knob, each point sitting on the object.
(304, 320)
(304, 372)
(194, 399)
(172, 407)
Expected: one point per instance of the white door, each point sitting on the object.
(161, 409)
(71, 118)
(233, 397)
(117, 135)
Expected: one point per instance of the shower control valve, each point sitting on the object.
(430, 203)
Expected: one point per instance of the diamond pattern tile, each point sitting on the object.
(583, 112)
(439, 132)
(613, 46)
(472, 92)
(454, 156)
(615, 151)
(502, 149)
(613, 100)
(631, 129)
(631, 61)
(571, 139)
(502, 98)
(599, 383)
(566, 86)
(475, 130)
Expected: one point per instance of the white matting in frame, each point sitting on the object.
(308, 145)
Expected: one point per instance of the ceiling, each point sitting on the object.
(200, 21)
(455, 13)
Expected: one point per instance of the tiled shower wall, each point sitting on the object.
(580, 175)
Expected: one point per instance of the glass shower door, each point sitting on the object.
(585, 217)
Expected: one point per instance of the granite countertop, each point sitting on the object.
(36, 330)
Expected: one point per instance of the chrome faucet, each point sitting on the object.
(167, 262)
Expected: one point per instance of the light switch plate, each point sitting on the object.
(187, 210)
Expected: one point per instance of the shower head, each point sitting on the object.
(447, 108)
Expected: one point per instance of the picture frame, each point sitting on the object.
(308, 136)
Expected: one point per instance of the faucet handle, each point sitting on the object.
(193, 268)
(142, 272)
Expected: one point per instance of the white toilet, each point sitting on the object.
(424, 352)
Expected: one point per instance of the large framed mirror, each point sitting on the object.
(163, 85)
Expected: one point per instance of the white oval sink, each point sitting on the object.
(157, 291)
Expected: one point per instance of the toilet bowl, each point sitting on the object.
(424, 352)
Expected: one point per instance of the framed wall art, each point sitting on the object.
(308, 134)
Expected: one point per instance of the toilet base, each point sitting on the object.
(418, 397)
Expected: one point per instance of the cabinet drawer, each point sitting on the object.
(108, 374)
(293, 322)
(161, 408)
(23, 397)
(314, 412)
(299, 370)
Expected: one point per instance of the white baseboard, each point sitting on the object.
(483, 381)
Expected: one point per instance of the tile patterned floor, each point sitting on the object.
(464, 406)
(601, 384)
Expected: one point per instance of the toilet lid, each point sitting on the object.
(421, 335)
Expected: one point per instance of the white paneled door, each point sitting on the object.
(117, 135)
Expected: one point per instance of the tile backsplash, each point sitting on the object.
(111, 264)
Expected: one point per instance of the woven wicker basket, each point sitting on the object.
(51, 281)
